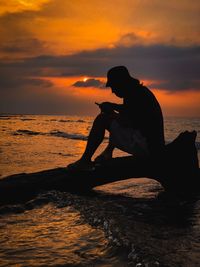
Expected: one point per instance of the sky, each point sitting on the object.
(55, 54)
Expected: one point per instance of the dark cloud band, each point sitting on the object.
(177, 66)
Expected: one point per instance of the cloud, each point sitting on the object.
(23, 87)
(22, 46)
(90, 83)
(18, 36)
(64, 27)
(44, 38)
(131, 38)
(177, 85)
(174, 68)
(13, 82)
(177, 66)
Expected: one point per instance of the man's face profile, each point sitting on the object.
(117, 89)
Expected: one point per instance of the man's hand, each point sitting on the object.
(105, 107)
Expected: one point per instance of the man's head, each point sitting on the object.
(118, 78)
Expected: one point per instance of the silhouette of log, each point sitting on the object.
(176, 168)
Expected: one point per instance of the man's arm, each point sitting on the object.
(117, 107)
(109, 107)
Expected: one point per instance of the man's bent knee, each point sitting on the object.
(104, 119)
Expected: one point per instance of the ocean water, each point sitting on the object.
(127, 223)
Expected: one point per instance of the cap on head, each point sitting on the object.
(117, 74)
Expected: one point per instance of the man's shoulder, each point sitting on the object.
(143, 88)
(145, 91)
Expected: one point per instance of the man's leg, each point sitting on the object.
(96, 135)
(95, 138)
(107, 153)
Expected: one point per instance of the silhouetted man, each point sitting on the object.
(136, 126)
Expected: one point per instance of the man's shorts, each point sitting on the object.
(128, 139)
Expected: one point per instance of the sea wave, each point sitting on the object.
(67, 135)
(55, 133)
(79, 120)
(15, 117)
(27, 119)
(62, 154)
(28, 132)
(73, 136)
(4, 118)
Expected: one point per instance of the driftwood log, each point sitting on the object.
(176, 169)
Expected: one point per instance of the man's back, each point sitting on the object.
(144, 112)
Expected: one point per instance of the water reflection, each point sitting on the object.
(121, 224)
(48, 236)
(124, 224)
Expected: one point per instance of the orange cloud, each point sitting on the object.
(70, 26)
(13, 6)
(86, 38)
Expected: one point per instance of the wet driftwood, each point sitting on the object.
(176, 169)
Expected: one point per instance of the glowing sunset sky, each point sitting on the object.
(55, 53)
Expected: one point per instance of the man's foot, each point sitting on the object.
(103, 157)
(81, 165)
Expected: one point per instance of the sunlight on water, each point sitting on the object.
(34, 143)
(124, 224)
(50, 236)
